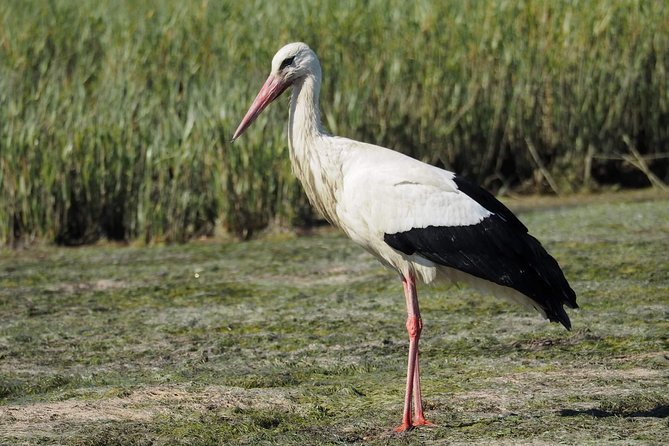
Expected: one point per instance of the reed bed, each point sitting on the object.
(117, 115)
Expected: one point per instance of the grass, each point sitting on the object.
(117, 115)
(301, 340)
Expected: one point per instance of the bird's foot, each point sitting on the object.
(404, 427)
(423, 422)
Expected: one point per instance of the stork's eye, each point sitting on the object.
(286, 62)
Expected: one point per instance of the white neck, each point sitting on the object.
(311, 157)
(304, 123)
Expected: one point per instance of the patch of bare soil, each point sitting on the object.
(46, 418)
(519, 388)
(98, 285)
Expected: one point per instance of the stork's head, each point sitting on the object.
(290, 64)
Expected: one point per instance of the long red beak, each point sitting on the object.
(271, 90)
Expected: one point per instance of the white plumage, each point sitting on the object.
(420, 220)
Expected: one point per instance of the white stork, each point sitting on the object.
(421, 221)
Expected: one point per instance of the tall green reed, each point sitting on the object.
(116, 116)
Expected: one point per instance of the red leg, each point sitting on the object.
(419, 417)
(412, 324)
(414, 327)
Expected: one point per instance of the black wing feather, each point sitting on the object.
(498, 249)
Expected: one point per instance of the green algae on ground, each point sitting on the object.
(302, 341)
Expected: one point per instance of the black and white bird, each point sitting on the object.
(424, 222)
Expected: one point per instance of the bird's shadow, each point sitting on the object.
(660, 411)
